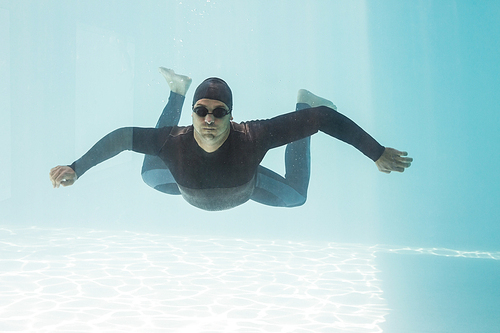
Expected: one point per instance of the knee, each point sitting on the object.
(171, 189)
(161, 180)
(297, 202)
(149, 180)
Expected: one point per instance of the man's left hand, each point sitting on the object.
(393, 160)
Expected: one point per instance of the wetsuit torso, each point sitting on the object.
(226, 178)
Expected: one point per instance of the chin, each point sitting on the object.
(209, 136)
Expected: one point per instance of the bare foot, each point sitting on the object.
(178, 84)
(307, 97)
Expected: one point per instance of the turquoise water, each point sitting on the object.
(420, 76)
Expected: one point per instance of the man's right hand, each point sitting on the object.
(62, 175)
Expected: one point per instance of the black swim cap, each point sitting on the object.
(214, 88)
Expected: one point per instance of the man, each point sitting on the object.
(215, 163)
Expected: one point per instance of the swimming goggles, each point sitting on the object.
(219, 112)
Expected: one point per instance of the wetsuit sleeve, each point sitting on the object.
(300, 124)
(142, 140)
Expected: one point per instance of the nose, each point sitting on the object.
(209, 118)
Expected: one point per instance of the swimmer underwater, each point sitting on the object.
(215, 163)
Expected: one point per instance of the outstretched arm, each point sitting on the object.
(299, 124)
(141, 140)
(296, 125)
(393, 160)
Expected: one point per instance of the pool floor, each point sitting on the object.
(82, 280)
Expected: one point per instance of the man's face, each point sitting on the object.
(210, 128)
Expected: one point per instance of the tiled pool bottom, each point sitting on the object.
(78, 280)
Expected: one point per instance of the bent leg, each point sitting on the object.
(154, 171)
(290, 191)
(271, 189)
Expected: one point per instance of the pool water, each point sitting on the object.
(367, 252)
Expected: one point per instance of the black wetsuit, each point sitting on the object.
(227, 177)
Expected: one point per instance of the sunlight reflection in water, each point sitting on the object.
(54, 280)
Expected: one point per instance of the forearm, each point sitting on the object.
(339, 126)
(109, 146)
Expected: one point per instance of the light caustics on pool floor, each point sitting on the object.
(76, 280)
